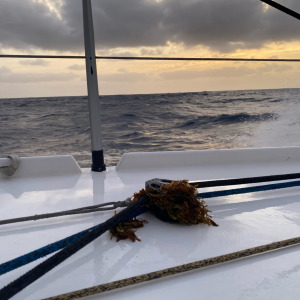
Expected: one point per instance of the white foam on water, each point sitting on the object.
(283, 131)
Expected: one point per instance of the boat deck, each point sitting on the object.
(50, 184)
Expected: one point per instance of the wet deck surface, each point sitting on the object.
(245, 221)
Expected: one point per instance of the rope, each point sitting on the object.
(251, 189)
(153, 58)
(177, 270)
(46, 250)
(247, 180)
(198, 184)
(51, 248)
(81, 210)
(75, 242)
(22, 282)
(41, 252)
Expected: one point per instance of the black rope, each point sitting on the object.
(45, 250)
(282, 8)
(40, 252)
(22, 282)
(246, 180)
(250, 189)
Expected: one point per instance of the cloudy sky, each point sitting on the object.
(173, 28)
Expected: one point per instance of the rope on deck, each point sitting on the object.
(74, 243)
(51, 248)
(43, 251)
(22, 282)
(230, 257)
(245, 180)
(250, 189)
(81, 210)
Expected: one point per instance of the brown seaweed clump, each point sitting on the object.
(176, 202)
(126, 230)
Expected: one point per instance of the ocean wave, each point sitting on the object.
(128, 115)
(133, 134)
(48, 116)
(227, 119)
(243, 100)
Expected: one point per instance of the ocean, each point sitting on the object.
(151, 122)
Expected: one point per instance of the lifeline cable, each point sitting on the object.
(152, 58)
(46, 250)
(177, 270)
(22, 282)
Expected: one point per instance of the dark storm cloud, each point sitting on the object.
(222, 25)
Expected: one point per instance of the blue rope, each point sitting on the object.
(51, 248)
(251, 189)
(29, 277)
(41, 252)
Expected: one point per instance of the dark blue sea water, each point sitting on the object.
(184, 121)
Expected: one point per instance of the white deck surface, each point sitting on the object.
(244, 221)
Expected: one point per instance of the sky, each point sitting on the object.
(164, 28)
